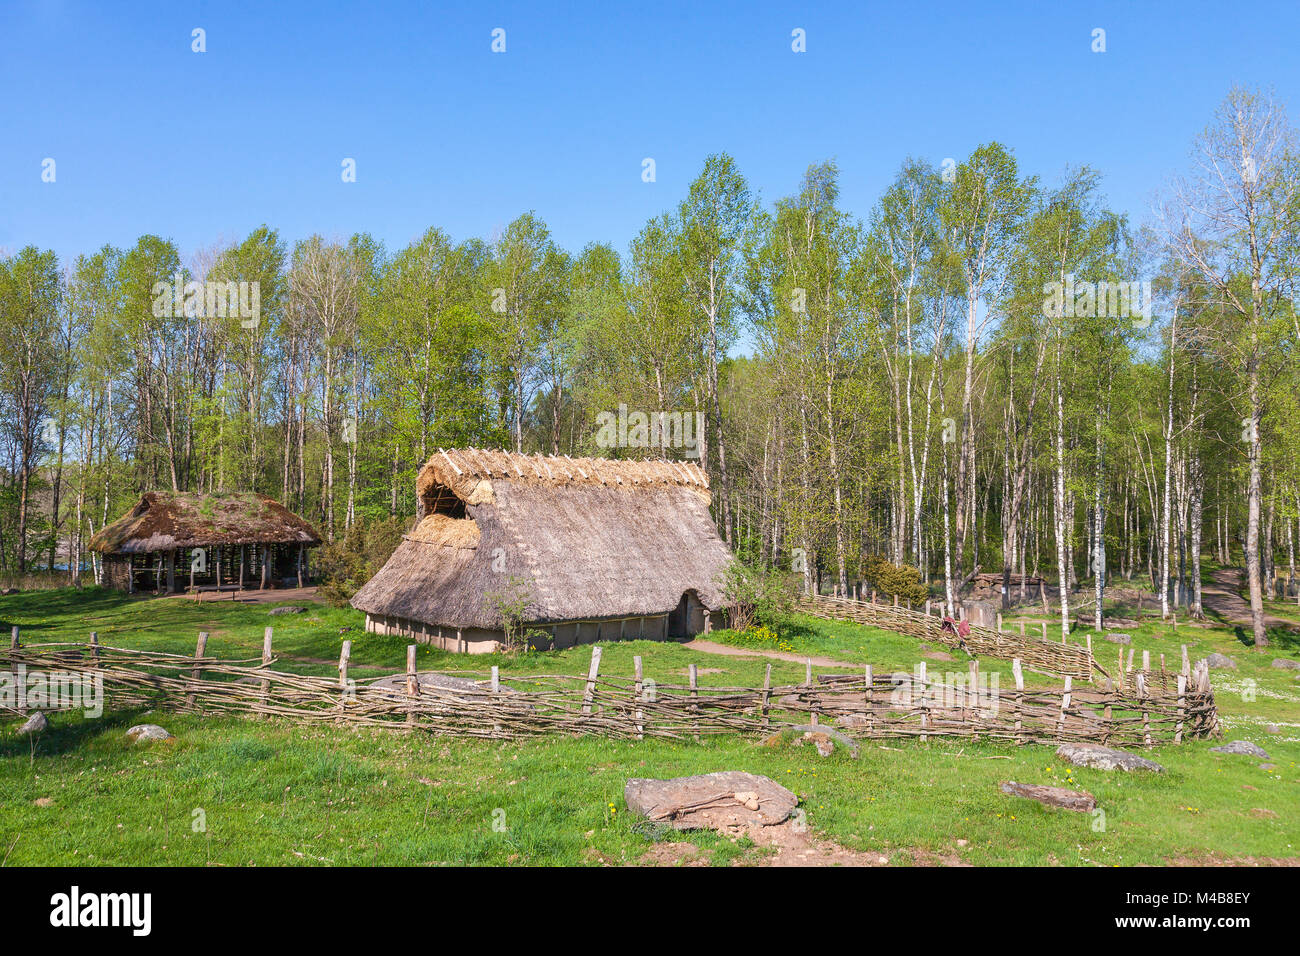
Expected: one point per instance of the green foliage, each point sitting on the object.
(901, 580)
(349, 562)
(755, 594)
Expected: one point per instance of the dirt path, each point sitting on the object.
(1223, 598)
(725, 650)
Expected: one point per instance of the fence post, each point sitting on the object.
(1044, 630)
(1182, 708)
(867, 697)
(1065, 705)
(1123, 684)
(344, 654)
(1146, 661)
(925, 714)
(695, 696)
(1106, 713)
(999, 617)
(589, 692)
(13, 639)
(970, 700)
(94, 647)
(200, 648)
(767, 695)
(638, 690)
(266, 662)
(1187, 665)
(412, 684)
(1019, 676)
(1146, 715)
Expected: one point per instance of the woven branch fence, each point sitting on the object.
(1035, 654)
(863, 706)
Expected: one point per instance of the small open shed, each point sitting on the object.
(173, 541)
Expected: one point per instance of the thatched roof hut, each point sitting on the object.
(589, 547)
(223, 539)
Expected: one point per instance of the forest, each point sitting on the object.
(986, 371)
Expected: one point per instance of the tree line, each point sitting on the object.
(987, 372)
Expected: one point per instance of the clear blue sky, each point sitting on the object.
(150, 137)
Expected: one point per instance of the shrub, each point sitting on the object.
(889, 579)
(349, 562)
(754, 595)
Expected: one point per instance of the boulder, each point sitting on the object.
(35, 724)
(286, 609)
(147, 732)
(1221, 661)
(1281, 663)
(429, 683)
(1104, 758)
(1079, 800)
(728, 798)
(1241, 747)
(1119, 638)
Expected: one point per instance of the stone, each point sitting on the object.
(429, 683)
(1244, 747)
(1105, 758)
(35, 724)
(1268, 766)
(1119, 638)
(286, 609)
(147, 732)
(1281, 663)
(1272, 729)
(1079, 800)
(1221, 661)
(727, 798)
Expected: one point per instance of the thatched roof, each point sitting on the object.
(164, 520)
(581, 538)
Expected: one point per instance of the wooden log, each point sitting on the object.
(344, 655)
(94, 647)
(13, 638)
(767, 696)
(638, 688)
(412, 684)
(266, 662)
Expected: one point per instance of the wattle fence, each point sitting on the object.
(863, 705)
(1034, 653)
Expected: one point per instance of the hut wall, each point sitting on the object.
(117, 571)
(476, 640)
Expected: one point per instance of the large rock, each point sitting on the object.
(35, 724)
(1241, 747)
(1119, 638)
(1221, 661)
(1104, 758)
(728, 798)
(147, 732)
(286, 609)
(1287, 665)
(429, 683)
(1080, 800)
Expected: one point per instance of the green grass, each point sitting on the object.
(277, 793)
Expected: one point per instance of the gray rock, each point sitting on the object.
(286, 609)
(1079, 800)
(1272, 729)
(1105, 758)
(1241, 747)
(37, 723)
(429, 682)
(147, 732)
(728, 798)
(1119, 638)
(1281, 663)
(1221, 661)
(1268, 766)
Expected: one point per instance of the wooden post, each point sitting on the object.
(1122, 682)
(94, 647)
(1065, 705)
(1146, 661)
(925, 715)
(1187, 666)
(1019, 676)
(589, 693)
(200, 649)
(767, 695)
(13, 638)
(1106, 714)
(638, 690)
(1022, 628)
(191, 573)
(412, 684)
(1182, 708)
(1146, 716)
(695, 696)
(171, 571)
(266, 568)
(870, 688)
(1044, 630)
(344, 654)
(266, 662)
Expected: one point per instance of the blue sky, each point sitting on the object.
(151, 137)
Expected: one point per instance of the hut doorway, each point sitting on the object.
(681, 620)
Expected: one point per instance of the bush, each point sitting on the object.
(889, 579)
(754, 595)
(349, 562)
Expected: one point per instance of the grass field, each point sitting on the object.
(239, 791)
